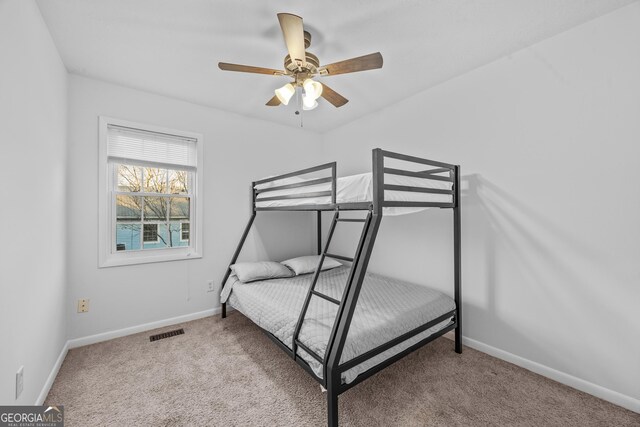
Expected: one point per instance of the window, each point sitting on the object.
(150, 207)
(150, 233)
(157, 199)
(184, 231)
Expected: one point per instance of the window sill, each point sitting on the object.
(148, 257)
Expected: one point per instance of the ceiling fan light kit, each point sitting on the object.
(302, 66)
(312, 88)
(285, 93)
(308, 103)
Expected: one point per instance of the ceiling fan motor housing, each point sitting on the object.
(311, 67)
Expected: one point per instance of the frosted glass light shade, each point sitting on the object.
(312, 89)
(308, 103)
(285, 93)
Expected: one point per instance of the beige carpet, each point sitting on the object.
(228, 373)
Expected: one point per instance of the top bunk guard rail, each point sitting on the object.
(434, 174)
(331, 167)
(435, 171)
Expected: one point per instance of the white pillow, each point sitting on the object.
(308, 264)
(252, 271)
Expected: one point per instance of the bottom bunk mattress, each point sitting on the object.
(386, 309)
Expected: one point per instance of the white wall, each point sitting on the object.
(237, 150)
(549, 144)
(33, 120)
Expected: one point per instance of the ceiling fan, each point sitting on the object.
(302, 66)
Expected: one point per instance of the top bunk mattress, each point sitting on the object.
(357, 188)
(386, 309)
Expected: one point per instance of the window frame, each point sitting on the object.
(108, 255)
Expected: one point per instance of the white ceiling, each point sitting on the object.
(172, 47)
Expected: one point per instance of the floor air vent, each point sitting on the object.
(163, 335)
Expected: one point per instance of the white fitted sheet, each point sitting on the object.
(357, 188)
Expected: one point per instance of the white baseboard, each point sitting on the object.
(614, 397)
(603, 393)
(105, 336)
(52, 375)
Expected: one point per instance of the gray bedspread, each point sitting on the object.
(386, 309)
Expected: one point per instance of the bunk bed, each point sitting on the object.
(343, 325)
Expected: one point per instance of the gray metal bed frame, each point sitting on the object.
(332, 368)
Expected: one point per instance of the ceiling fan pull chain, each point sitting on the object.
(299, 108)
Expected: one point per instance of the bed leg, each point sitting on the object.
(332, 408)
(224, 310)
(457, 255)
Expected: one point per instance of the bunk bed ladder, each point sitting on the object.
(312, 289)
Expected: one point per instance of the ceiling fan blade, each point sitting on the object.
(332, 96)
(293, 33)
(249, 69)
(361, 63)
(273, 102)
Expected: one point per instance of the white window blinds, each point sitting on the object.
(127, 145)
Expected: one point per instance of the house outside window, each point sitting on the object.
(150, 206)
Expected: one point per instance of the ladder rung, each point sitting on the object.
(344, 258)
(311, 353)
(351, 219)
(327, 297)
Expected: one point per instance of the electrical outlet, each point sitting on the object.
(211, 286)
(19, 381)
(83, 305)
